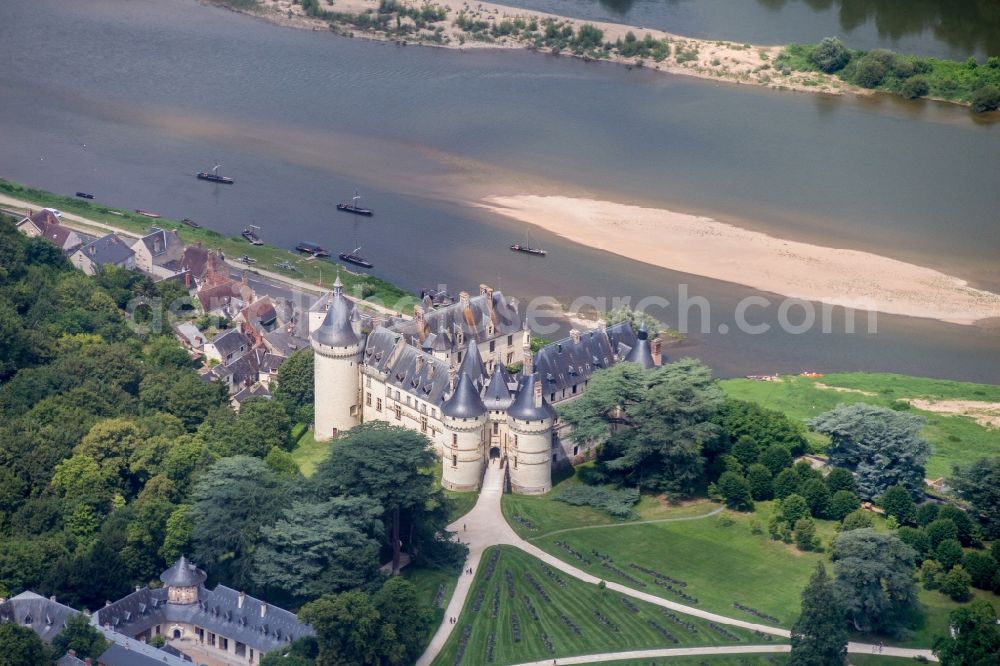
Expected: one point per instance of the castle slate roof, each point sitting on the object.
(473, 316)
(252, 622)
(124, 651)
(405, 367)
(107, 251)
(497, 395)
(46, 617)
(571, 361)
(472, 365)
(183, 574)
(336, 329)
(524, 408)
(641, 352)
(465, 402)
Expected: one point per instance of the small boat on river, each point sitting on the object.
(214, 177)
(311, 248)
(353, 257)
(251, 234)
(353, 207)
(517, 247)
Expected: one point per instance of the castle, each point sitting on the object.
(444, 373)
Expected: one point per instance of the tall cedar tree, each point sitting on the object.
(651, 425)
(874, 572)
(394, 467)
(819, 637)
(881, 446)
(976, 639)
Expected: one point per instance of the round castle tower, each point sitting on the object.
(464, 417)
(338, 346)
(530, 421)
(183, 580)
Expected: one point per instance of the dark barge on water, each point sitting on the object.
(354, 258)
(191, 223)
(311, 248)
(85, 195)
(214, 177)
(517, 247)
(250, 233)
(353, 207)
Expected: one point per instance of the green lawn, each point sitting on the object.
(953, 439)
(743, 660)
(490, 610)
(434, 588)
(308, 453)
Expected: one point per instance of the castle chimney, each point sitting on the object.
(463, 297)
(53, 597)
(657, 350)
(538, 395)
(527, 367)
(242, 598)
(420, 362)
(575, 335)
(263, 609)
(452, 371)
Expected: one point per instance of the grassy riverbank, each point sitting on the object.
(969, 82)
(306, 269)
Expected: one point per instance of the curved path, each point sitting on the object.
(485, 526)
(682, 519)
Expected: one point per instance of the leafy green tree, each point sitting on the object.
(776, 458)
(348, 628)
(875, 574)
(819, 636)
(976, 637)
(745, 450)
(830, 55)
(663, 418)
(930, 574)
(282, 463)
(817, 496)
(81, 636)
(805, 534)
(230, 505)
(915, 87)
(915, 538)
(979, 484)
(759, 478)
(20, 646)
(963, 524)
(956, 583)
(321, 548)
(393, 466)
(898, 502)
(111, 444)
(840, 479)
(949, 553)
(400, 607)
(842, 503)
(177, 534)
(785, 483)
(982, 568)
(735, 490)
(881, 446)
(267, 421)
(927, 513)
(294, 390)
(764, 427)
(940, 530)
(181, 393)
(793, 508)
(873, 67)
(986, 98)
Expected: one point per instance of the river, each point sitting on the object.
(127, 99)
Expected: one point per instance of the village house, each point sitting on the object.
(159, 253)
(108, 250)
(45, 224)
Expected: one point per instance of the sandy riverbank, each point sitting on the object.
(718, 250)
(711, 59)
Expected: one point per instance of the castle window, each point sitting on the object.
(515, 441)
(493, 345)
(368, 398)
(574, 389)
(378, 404)
(423, 424)
(576, 450)
(454, 461)
(407, 401)
(368, 382)
(496, 428)
(396, 396)
(510, 340)
(552, 398)
(454, 440)
(510, 357)
(515, 457)
(399, 413)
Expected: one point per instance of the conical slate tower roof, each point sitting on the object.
(336, 329)
(464, 403)
(524, 408)
(641, 353)
(497, 394)
(183, 574)
(473, 366)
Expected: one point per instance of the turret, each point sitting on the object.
(183, 580)
(641, 353)
(338, 350)
(464, 419)
(530, 420)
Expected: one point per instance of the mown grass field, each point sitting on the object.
(953, 439)
(710, 660)
(488, 618)
(308, 453)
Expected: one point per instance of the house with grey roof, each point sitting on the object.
(45, 224)
(109, 250)
(159, 253)
(228, 346)
(219, 624)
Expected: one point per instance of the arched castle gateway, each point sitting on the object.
(443, 373)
